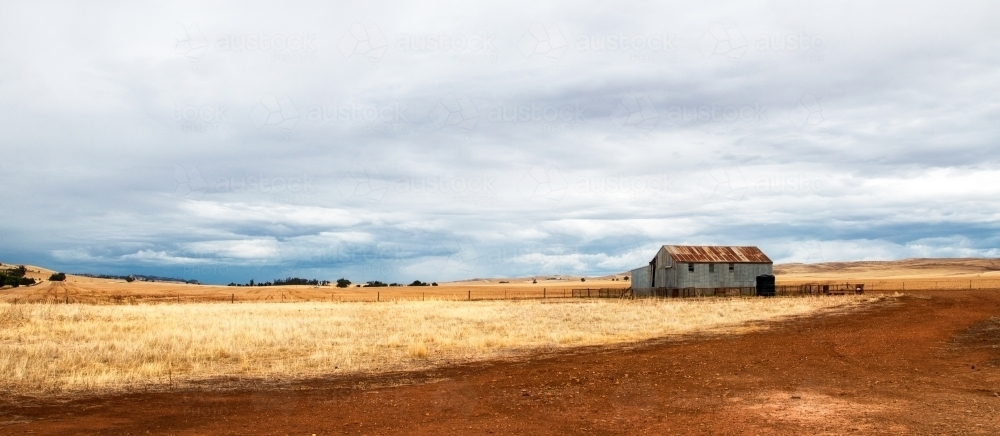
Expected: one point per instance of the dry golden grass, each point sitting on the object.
(73, 348)
(103, 291)
(899, 275)
(908, 284)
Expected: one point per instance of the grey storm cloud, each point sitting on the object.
(393, 141)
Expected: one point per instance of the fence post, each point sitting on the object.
(470, 295)
(543, 293)
(232, 299)
(378, 296)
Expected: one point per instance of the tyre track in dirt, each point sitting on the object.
(901, 368)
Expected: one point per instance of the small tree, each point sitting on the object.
(583, 279)
(57, 277)
(343, 283)
(15, 272)
(626, 278)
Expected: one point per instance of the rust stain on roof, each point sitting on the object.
(706, 253)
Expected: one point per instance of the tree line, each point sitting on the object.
(14, 277)
(378, 284)
(341, 283)
(285, 282)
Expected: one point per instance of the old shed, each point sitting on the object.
(686, 270)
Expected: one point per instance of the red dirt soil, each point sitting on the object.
(926, 363)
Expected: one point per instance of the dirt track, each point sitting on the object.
(926, 365)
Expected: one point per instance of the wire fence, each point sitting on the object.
(321, 294)
(332, 294)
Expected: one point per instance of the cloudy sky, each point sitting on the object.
(395, 141)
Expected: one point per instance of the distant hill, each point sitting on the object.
(553, 278)
(140, 277)
(965, 265)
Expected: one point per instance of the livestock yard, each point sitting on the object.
(90, 356)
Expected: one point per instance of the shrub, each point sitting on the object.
(14, 272)
(57, 277)
(16, 281)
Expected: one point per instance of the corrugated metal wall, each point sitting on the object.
(664, 270)
(641, 281)
(663, 259)
(743, 276)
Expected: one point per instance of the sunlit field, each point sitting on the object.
(77, 348)
(101, 291)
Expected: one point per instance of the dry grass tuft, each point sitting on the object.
(46, 349)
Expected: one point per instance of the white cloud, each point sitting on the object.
(142, 141)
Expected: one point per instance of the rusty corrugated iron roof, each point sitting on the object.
(708, 253)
